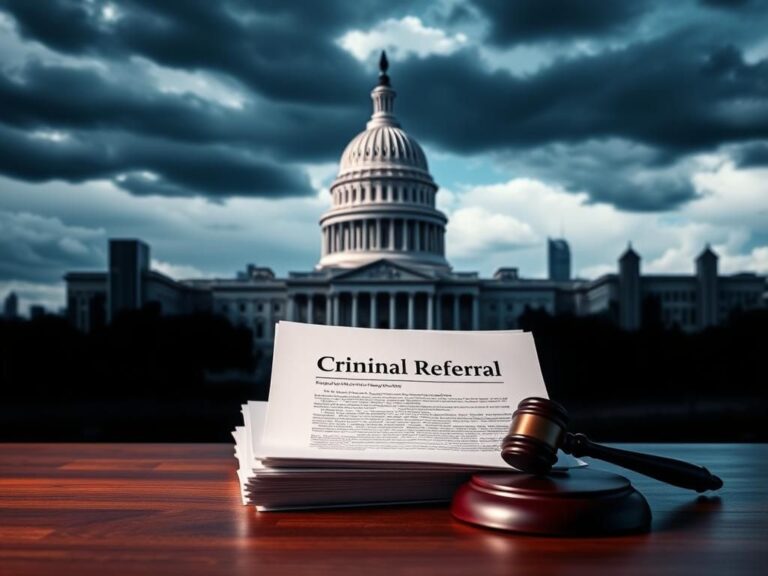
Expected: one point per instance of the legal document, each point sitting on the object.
(396, 395)
(365, 416)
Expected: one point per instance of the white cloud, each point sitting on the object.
(401, 38)
(176, 271)
(756, 260)
(202, 84)
(500, 224)
(732, 197)
(726, 216)
(110, 13)
(217, 239)
(478, 230)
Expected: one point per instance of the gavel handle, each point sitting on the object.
(675, 472)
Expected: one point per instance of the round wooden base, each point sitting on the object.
(579, 502)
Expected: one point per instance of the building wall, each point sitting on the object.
(257, 299)
(675, 298)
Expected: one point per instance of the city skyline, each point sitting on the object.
(223, 159)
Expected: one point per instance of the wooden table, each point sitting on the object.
(175, 509)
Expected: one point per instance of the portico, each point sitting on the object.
(385, 294)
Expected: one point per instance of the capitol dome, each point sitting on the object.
(384, 145)
(383, 198)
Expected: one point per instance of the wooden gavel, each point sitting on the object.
(539, 428)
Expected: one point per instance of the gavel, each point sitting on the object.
(539, 427)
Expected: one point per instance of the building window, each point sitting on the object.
(259, 307)
(259, 330)
(277, 308)
(242, 307)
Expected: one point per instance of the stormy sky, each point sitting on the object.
(212, 129)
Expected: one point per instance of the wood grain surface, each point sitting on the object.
(119, 509)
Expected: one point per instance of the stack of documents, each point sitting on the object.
(361, 416)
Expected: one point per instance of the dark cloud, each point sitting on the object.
(35, 248)
(753, 155)
(206, 170)
(673, 93)
(731, 4)
(305, 97)
(522, 21)
(279, 49)
(639, 180)
(41, 96)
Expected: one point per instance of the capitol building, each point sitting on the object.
(383, 264)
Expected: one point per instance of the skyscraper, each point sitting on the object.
(128, 261)
(629, 290)
(559, 260)
(11, 306)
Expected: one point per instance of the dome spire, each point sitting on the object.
(383, 98)
(383, 67)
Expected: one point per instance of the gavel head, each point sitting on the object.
(537, 431)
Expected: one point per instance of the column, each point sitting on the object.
(291, 308)
(310, 309)
(365, 235)
(392, 296)
(405, 235)
(417, 236)
(354, 309)
(377, 244)
(456, 312)
(439, 301)
(475, 312)
(335, 309)
(328, 319)
(373, 319)
(410, 310)
(430, 311)
(391, 237)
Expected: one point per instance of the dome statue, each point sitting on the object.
(383, 198)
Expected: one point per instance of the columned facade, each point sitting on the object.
(413, 307)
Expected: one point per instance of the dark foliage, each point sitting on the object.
(657, 384)
(153, 378)
(144, 377)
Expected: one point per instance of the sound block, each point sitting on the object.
(577, 502)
